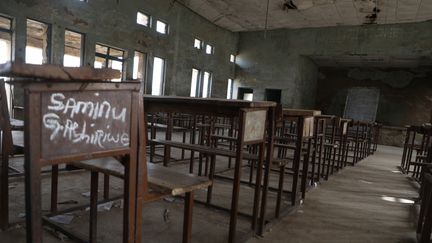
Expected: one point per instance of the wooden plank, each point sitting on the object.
(255, 125)
(300, 112)
(175, 100)
(57, 72)
(160, 178)
(84, 122)
(56, 120)
(178, 183)
(203, 149)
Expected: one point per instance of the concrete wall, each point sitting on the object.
(113, 22)
(405, 94)
(278, 60)
(263, 64)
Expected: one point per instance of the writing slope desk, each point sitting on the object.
(252, 119)
(67, 122)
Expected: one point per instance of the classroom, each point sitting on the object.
(239, 121)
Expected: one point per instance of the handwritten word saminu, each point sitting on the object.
(62, 121)
(94, 110)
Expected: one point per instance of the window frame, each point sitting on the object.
(108, 57)
(162, 85)
(230, 88)
(210, 84)
(198, 82)
(233, 58)
(212, 51)
(49, 37)
(201, 44)
(82, 48)
(145, 55)
(166, 27)
(9, 88)
(10, 30)
(149, 23)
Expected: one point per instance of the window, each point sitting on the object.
(209, 49)
(38, 43)
(198, 44)
(232, 58)
(194, 82)
(201, 83)
(143, 19)
(139, 66)
(206, 87)
(158, 76)
(161, 27)
(73, 49)
(248, 96)
(5, 40)
(109, 57)
(6, 51)
(230, 88)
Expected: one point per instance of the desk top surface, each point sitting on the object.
(300, 112)
(207, 102)
(57, 72)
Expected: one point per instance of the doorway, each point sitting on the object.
(245, 93)
(274, 95)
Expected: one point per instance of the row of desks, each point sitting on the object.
(255, 128)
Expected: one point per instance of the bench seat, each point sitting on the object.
(202, 149)
(160, 178)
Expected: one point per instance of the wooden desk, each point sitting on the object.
(298, 124)
(117, 119)
(252, 117)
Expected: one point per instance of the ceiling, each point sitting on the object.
(250, 15)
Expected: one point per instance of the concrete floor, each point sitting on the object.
(371, 202)
(366, 203)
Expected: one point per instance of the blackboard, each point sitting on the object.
(84, 122)
(362, 104)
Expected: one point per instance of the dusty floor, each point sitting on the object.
(366, 203)
(371, 202)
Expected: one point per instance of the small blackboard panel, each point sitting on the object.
(362, 104)
(84, 122)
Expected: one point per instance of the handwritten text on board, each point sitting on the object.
(86, 122)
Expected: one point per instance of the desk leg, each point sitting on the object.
(211, 178)
(297, 158)
(106, 186)
(93, 206)
(187, 219)
(129, 216)
(268, 162)
(237, 176)
(54, 188)
(305, 174)
(4, 191)
(168, 136)
(235, 198)
(258, 183)
(33, 202)
(280, 190)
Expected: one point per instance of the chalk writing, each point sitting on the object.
(86, 120)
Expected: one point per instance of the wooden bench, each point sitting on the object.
(11, 142)
(162, 182)
(248, 134)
